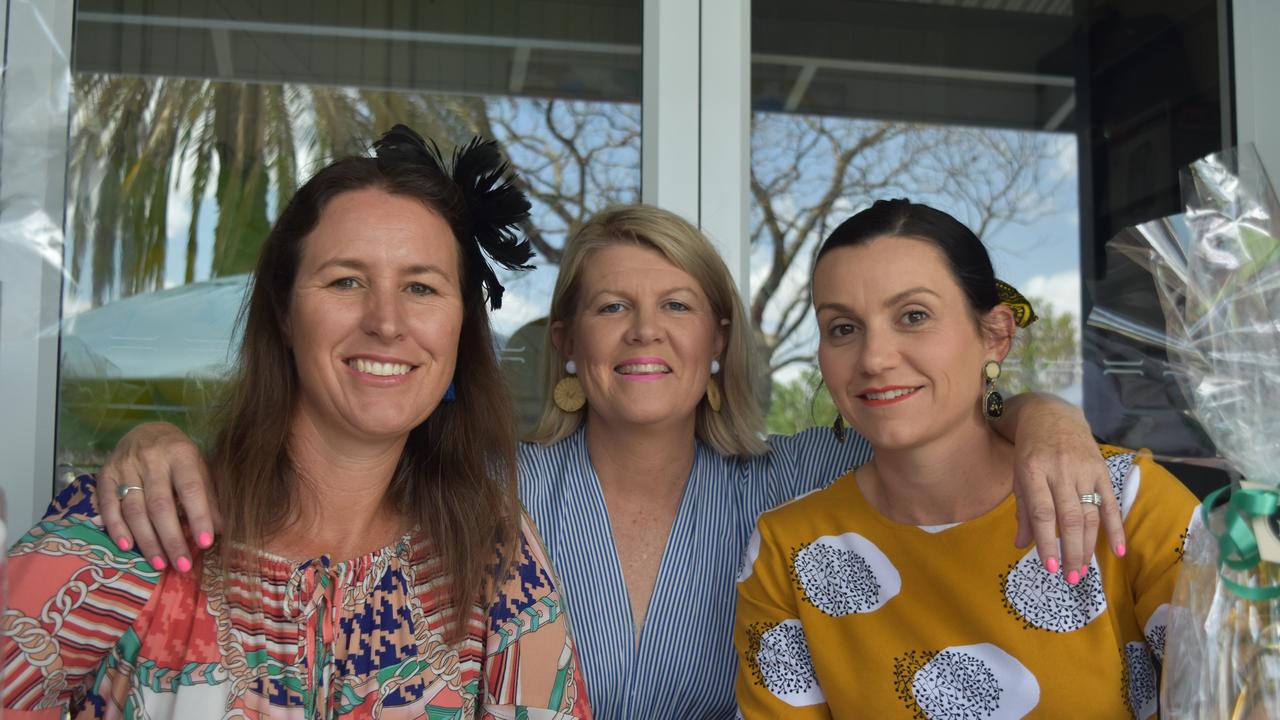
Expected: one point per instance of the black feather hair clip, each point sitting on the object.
(495, 205)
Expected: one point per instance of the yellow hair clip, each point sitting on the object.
(1023, 314)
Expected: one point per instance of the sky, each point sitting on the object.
(1042, 258)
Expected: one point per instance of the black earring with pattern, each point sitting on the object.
(992, 401)
(837, 428)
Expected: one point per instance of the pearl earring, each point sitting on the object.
(715, 366)
(571, 367)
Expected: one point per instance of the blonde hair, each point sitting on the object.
(737, 428)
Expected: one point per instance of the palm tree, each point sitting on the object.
(135, 139)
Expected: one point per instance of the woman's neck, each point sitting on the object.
(641, 459)
(341, 487)
(958, 477)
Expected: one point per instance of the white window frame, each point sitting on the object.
(33, 149)
(696, 126)
(1257, 55)
(725, 134)
(669, 107)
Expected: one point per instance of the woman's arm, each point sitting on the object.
(72, 596)
(1057, 461)
(167, 465)
(530, 658)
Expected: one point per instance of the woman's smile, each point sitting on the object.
(643, 369)
(380, 371)
(888, 395)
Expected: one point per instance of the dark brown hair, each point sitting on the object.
(965, 254)
(456, 476)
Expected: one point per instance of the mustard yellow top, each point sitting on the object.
(844, 613)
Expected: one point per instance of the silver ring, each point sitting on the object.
(1091, 499)
(123, 490)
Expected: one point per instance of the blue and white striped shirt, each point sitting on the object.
(683, 665)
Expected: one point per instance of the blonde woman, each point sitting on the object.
(649, 467)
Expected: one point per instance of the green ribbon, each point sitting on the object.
(1237, 545)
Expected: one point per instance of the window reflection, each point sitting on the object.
(969, 109)
(192, 124)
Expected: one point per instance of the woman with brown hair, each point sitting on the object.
(889, 593)
(374, 559)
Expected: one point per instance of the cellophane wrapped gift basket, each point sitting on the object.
(1217, 273)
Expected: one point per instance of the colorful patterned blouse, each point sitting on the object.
(845, 613)
(100, 631)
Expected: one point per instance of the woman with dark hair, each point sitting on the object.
(374, 559)
(889, 593)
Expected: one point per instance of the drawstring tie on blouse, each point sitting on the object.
(309, 600)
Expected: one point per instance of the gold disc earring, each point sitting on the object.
(713, 394)
(993, 401)
(568, 394)
(713, 387)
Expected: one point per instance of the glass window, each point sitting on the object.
(193, 122)
(1157, 95)
(969, 109)
(1046, 125)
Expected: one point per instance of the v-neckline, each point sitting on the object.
(637, 643)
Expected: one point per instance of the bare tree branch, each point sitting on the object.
(809, 173)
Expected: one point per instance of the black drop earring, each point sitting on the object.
(992, 401)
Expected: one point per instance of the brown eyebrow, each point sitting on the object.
(897, 298)
(611, 291)
(908, 293)
(353, 264)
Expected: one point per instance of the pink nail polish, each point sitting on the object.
(1051, 564)
(184, 565)
(1120, 550)
(204, 540)
(1084, 570)
(157, 562)
(1073, 577)
(122, 543)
